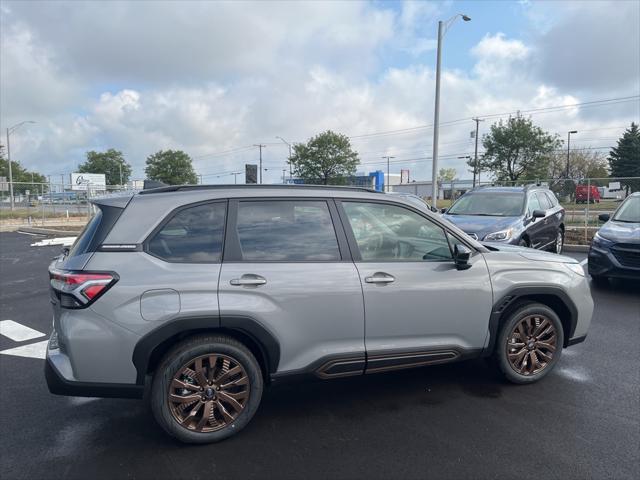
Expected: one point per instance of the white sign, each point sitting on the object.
(82, 181)
(614, 185)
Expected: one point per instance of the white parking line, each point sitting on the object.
(18, 332)
(33, 350)
(584, 262)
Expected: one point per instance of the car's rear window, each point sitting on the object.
(82, 243)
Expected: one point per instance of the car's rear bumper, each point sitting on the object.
(602, 263)
(58, 373)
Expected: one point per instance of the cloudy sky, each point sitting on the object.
(214, 78)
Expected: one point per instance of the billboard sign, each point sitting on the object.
(404, 176)
(84, 181)
(250, 173)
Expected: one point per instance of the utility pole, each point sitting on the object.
(120, 166)
(260, 146)
(569, 149)
(289, 162)
(386, 183)
(284, 180)
(235, 177)
(475, 157)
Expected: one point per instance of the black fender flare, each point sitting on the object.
(146, 348)
(532, 292)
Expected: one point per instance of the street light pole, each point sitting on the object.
(569, 149)
(442, 30)
(386, 183)
(475, 161)
(289, 162)
(260, 146)
(9, 131)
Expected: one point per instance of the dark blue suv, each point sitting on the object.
(528, 216)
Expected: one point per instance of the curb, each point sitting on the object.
(48, 231)
(576, 248)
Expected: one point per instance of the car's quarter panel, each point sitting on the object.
(313, 309)
(178, 290)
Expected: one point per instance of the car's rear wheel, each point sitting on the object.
(530, 343)
(206, 389)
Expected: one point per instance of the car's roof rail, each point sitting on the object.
(184, 188)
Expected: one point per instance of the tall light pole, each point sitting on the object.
(475, 157)
(260, 146)
(386, 183)
(10, 130)
(569, 149)
(442, 30)
(289, 145)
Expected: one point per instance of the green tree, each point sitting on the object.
(325, 159)
(111, 163)
(447, 174)
(23, 179)
(173, 167)
(583, 164)
(518, 150)
(624, 159)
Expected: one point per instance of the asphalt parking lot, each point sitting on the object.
(454, 421)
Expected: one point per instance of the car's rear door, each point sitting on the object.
(287, 268)
(418, 307)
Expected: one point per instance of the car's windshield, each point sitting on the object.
(490, 204)
(629, 211)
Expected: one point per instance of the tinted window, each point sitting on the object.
(193, 234)
(495, 204)
(296, 230)
(81, 244)
(544, 201)
(387, 232)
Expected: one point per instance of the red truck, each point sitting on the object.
(586, 192)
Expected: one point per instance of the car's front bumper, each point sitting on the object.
(603, 263)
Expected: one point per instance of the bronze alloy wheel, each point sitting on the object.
(531, 345)
(208, 393)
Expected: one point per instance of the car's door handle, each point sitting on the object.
(248, 281)
(380, 277)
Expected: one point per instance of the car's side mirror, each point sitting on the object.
(604, 217)
(538, 214)
(461, 255)
(443, 210)
(434, 209)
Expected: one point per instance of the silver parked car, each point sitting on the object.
(205, 294)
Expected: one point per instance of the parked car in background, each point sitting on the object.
(529, 216)
(615, 248)
(587, 193)
(202, 295)
(415, 199)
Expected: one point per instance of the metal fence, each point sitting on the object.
(60, 205)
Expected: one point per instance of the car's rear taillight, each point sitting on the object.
(80, 289)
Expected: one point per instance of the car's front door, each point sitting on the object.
(537, 228)
(287, 269)
(419, 308)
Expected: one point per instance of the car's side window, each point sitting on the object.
(552, 199)
(545, 203)
(386, 232)
(192, 235)
(534, 204)
(286, 231)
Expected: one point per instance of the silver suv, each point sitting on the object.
(201, 295)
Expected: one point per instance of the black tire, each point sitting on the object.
(183, 353)
(559, 240)
(527, 311)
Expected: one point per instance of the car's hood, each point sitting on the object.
(481, 225)
(528, 253)
(620, 231)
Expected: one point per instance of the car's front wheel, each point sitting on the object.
(530, 343)
(559, 243)
(206, 389)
